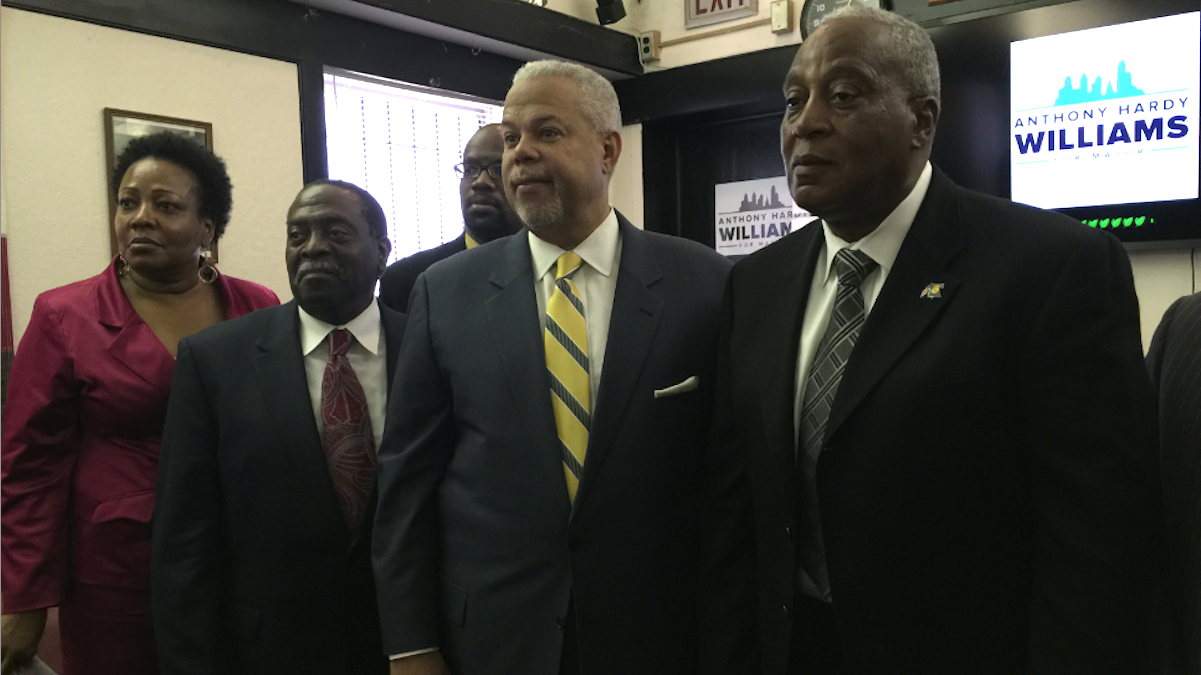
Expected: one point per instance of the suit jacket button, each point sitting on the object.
(786, 617)
(559, 622)
(788, 532)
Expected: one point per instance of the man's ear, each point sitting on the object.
(925, 118)
(384, 248)
(611, 144)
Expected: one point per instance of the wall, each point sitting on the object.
(56, 77)
(625, 190)
(1160, 277)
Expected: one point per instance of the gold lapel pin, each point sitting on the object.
(933, 291)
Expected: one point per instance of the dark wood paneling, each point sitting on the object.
(928, 15)
(688, 156)
(733, 83)
(291, 32)
(312, 121)
(523, 24)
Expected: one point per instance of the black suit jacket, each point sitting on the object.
(477, 546)
(253, 567)
(1175, 364)
(396, 285)
(987, 479)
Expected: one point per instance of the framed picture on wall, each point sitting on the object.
(122, 126)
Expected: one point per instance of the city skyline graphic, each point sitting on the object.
(757, 202)
(1084, 93)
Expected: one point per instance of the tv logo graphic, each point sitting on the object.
(751, 214)
(1118, 132)
(1094, 125)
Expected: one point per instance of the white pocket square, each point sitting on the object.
(687, 385)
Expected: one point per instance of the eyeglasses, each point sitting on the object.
(473, 171)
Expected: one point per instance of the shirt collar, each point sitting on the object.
(365, 328)
(469, 241)
(599, 250)
(884, 243)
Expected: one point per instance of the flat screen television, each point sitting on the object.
(1097, 103)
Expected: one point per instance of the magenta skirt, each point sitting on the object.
(107, 631)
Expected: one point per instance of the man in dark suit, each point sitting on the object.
(487, 215)
(262, 532)
(540, 478)
(1175, 364)
(936, 432)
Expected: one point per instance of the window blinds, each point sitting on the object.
(400, 142)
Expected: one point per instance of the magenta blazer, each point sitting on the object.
(82, 428)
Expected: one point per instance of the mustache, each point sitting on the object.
(311, 266)
(523, 177)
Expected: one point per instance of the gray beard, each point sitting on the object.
(545, 216)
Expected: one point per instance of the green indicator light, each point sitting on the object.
(1128, 221)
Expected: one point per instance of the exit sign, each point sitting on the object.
(705, 12)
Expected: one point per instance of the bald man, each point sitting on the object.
(486, 216)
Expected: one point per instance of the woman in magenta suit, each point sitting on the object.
(85, 410)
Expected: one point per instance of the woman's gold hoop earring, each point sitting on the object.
(122, 266)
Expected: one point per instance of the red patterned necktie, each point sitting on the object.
(347, 436)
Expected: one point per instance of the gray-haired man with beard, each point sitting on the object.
(540, 475)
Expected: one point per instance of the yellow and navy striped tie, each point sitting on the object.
(566, 343)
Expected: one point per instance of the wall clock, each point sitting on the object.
(815, 11)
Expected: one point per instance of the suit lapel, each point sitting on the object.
(778, 328)
(516, 332)
(901, 313)
(632, 326)
(394, 331)
(134, 346)
(280, 368)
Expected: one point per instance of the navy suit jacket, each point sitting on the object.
(478, 549)
(253, 567)
(396, 285)
(987, 483)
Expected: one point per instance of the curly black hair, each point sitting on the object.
(216, 191)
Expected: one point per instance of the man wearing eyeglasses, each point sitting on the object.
(486, 216)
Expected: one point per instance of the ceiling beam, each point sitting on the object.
(510, 28)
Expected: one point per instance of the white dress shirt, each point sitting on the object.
(596, 281)
(882, 246)
(367, 357)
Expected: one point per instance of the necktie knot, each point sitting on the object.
(567, 265)
(852, 267)
(339, 342)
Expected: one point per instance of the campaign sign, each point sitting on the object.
(751, 214)
(1106, 115)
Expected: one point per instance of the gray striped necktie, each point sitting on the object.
(821, 386)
